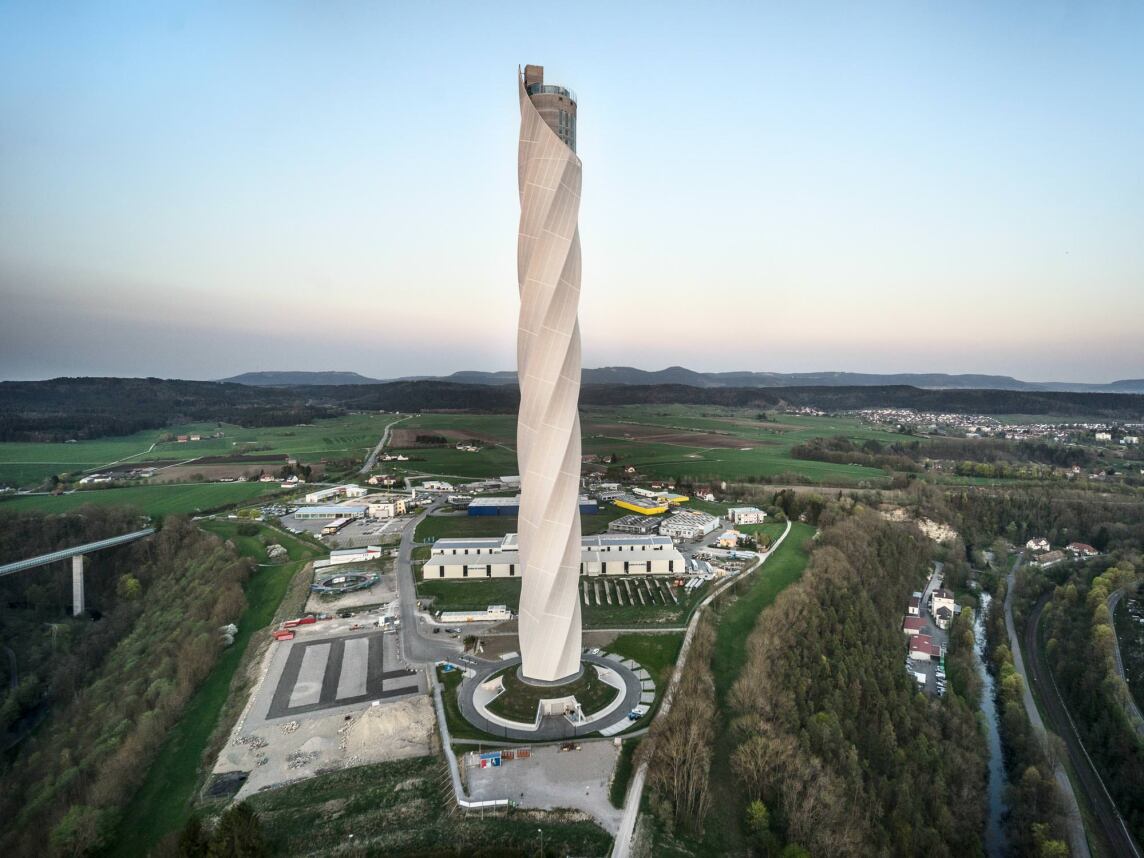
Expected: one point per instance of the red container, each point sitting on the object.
(305, 621)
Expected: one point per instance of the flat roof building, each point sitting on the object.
(688, 524)
(634, 523)
(746, 515)
(323, 512)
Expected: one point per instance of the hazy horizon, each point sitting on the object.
(200, 191)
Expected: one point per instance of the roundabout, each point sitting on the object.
(494, 698)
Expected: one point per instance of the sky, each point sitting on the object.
(195, 190)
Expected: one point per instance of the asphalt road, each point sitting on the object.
(416, 647)
(372, 457)
(1056, 713)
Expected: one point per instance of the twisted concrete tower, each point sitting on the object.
(548, 366)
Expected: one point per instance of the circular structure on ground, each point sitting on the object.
(345, 582)
(474, 698)
(520, 699)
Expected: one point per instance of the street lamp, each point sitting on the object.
(540, 831)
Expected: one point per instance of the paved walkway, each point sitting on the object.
(553, 727)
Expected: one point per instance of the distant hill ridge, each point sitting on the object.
(681, 375)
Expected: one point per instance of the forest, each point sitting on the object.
(1079, 639)
(1035, 824)
(834, 744)
(82, 408)
(105, 688)
(1000, 456)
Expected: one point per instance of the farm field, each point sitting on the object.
(350, 436)
(167, 499)
(661, 441)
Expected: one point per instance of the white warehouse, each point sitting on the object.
(612, 554)
(350, 490)
(688, 524)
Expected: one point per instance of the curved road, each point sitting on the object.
(1130, 707)
(371, 459)
(1104, 808)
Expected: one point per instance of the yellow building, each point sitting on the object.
(642, 505)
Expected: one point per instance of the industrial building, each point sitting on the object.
(326, 512)
(688, 524)
(599, 555)
(641, 525)
(669, 498)
(511, 506)
(350, 490)
(644, 506)
(746, 515)
(387, 506)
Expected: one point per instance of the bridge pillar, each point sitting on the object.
(77, 585)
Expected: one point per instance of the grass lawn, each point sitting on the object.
(519, 700)
(622, 775)
(736, 621)
(399, 808)
(169, 499)
(479, 593)
(722, 833)
(462, 525)
(459, 728)
(656, 653)
(163, 802)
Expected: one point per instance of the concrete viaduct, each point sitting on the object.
(76, 554)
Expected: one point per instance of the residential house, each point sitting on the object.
(941, 606)
(1082, 549)
(913, 625)
(1037, 543)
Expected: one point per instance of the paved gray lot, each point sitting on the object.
(552, 778)
(327, 673)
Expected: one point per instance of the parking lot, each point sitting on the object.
(935, 676)
(359, 532)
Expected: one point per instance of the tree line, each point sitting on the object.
(832, 737)
(115, 687)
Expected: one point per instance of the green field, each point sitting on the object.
(736, 621)
(665, 442)
(462, 525)
(163, 803)
(170, 499)
(350, 436)
(478, 593)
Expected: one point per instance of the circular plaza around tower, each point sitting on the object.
(600, 699)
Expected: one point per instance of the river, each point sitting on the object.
(994, 839)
